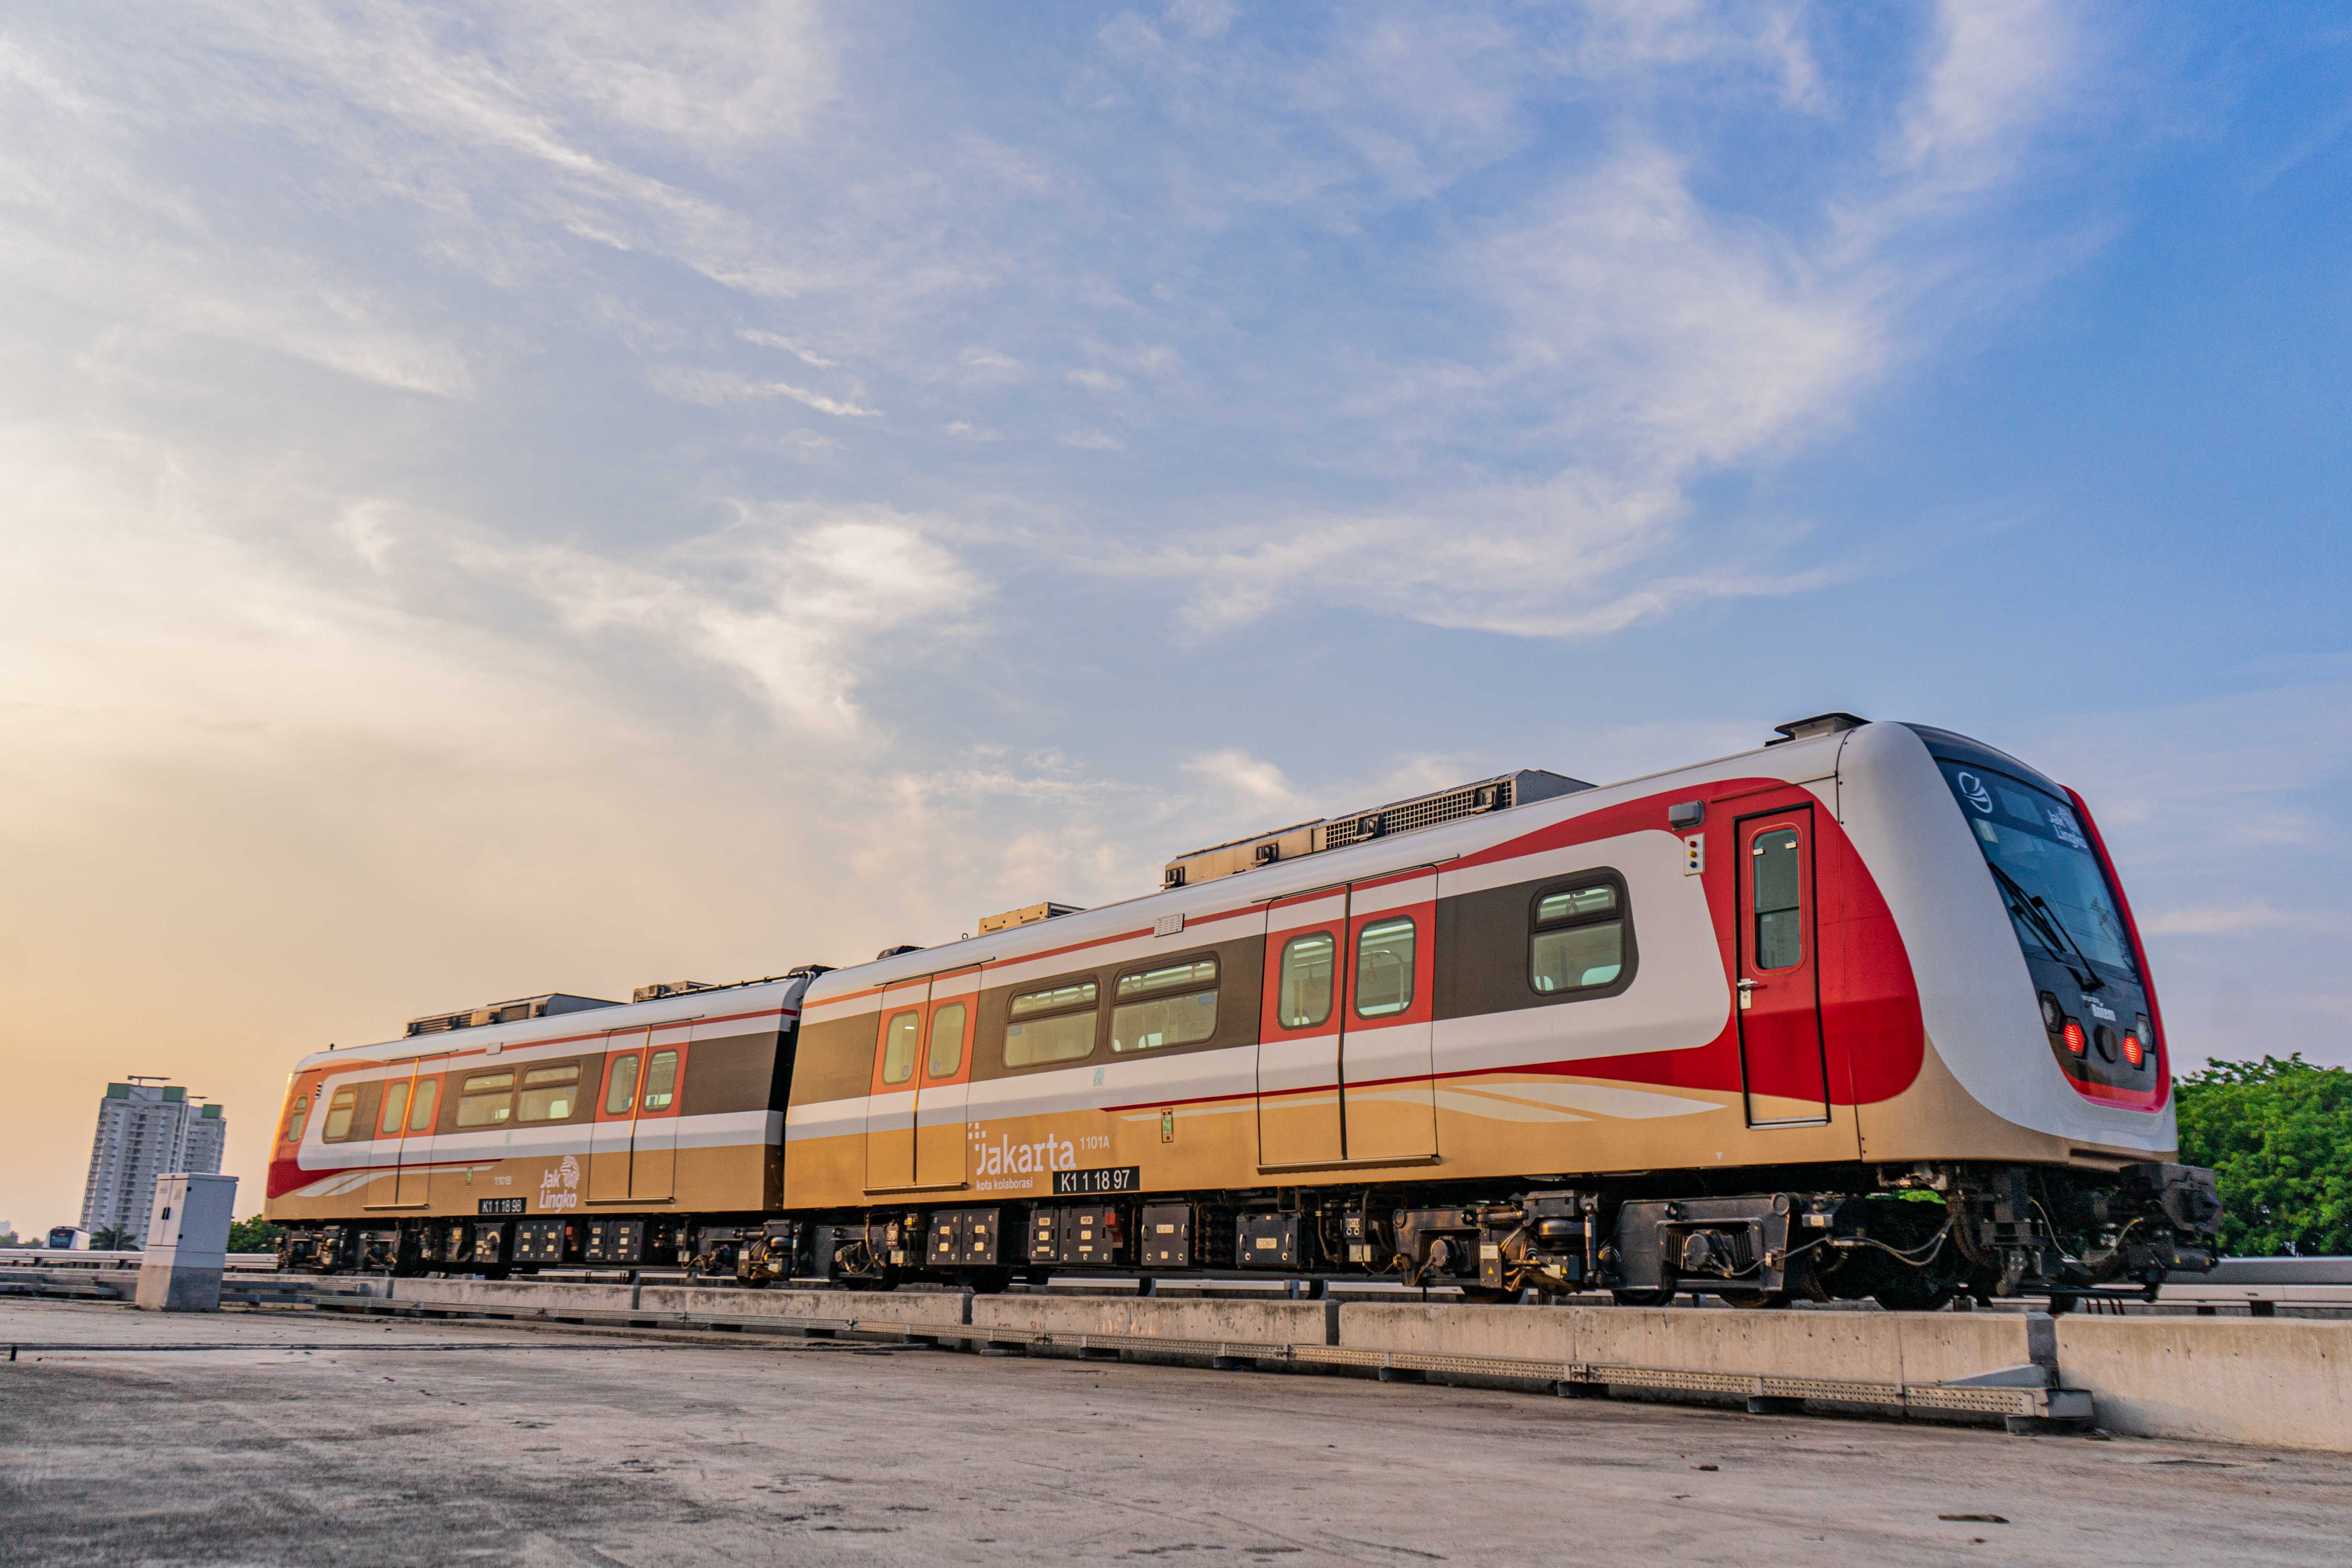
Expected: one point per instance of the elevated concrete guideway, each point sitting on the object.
(308, 1437)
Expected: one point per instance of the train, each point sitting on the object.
(1861, 1012)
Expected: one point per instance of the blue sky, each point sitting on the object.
(572, 495)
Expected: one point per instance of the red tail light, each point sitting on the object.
(2133, 1052)
(2076, 1041)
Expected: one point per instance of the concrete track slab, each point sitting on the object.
(302, 1440)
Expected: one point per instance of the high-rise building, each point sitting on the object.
(145, 1128)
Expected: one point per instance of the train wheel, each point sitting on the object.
(1642, 1298)
(1486, 1296)
(1919, 1293)
(1755, 1300)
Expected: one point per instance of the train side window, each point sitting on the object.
(661, 1080)
(1384, 968)
(297, 1117)
(395, 1103)
(1055, 1023)
(428, 1100)
(338, 1125)
(947, 1041)
(1167, 1004)
(1305, 998)
(621, 1087)
(899, 1038)
(487, 1099)
(1779, 926)
(1578, 942)
(549, 1093)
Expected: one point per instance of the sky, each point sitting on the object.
(566, 495)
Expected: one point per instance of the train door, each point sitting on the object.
(1781, 1063)
(412, 1188)
(1299, 1113)
(616, 1122)
(943, 1099)
(890, 1096)
(653, 1145)
(1388, 1095)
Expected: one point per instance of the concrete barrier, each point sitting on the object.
(1886, 1347)
(1245, 1323)
(2279, 1383)
(880, 1308)
(519, 1295)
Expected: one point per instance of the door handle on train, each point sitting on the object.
(1750, 985)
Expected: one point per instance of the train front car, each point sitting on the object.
(2041, 1112)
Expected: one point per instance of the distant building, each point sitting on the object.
(145, 1128)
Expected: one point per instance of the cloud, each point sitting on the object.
(713, 388)
(778, 340)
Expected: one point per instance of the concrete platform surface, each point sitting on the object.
(283, 1438)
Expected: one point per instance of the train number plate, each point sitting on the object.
(1103, 1179)
(500, 1206)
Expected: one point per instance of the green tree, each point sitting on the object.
(254, 1235)
(111, 1239)
(2278, 1133)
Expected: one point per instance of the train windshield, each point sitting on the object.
(2057, 894)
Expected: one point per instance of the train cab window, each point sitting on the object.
(338, 1125)
(899, 1039)
(661, 1080)
(1305, 997)
(487, 1099)
(297, 1117)
(947, 1041)
(1167, 1004)
(395, 1102)
(1779, 926)
(428, 1100)
(621, 1086)
(1578, 941)
(1384, 968)
(1054, 1025)
(549, 1093)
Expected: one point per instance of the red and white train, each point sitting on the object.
(1862, 1011)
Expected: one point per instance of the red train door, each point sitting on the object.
(616, 1120)
(1781, 1063)
(413, 1186)
(1388, 1097)
(890, 1097)
(1299, 1114)
(653, 1143)
(942, 1105)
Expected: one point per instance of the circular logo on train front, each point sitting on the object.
(1979, 797)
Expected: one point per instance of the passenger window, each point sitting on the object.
(297, 1117)
(1168, 1004)
(899, 1037)
(338, 1125)
(487, 1099)
(947, 1041)
(1054, 1024)
(396, 1101)
(1384, 968)
(549, 1093)
(621, 1086)
(1304, 999)
(1779, 931)
(661, 1080)
(428, 1100)
(1578, 941)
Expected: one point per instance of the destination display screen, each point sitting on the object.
(1103, 1179)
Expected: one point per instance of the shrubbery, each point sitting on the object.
(2279, 1134)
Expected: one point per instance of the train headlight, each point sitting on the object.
(2077, 1042)
(2133, 1052)
(2052, 1018)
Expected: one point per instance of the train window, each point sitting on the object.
(1384, 968)
(1167, 1004)
(487, 1099)
(947, 1041)
(338, 1125)
(1053, 1024)
(1305, 998)
(549, 1093)
(661, 1080)
(899, 1037)
(396, 1101)
(297, 1117)
(1579, 940)
(1779, 928)
(428, 1100)
(621, 1086)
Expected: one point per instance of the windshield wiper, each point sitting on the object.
(2034, 911)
